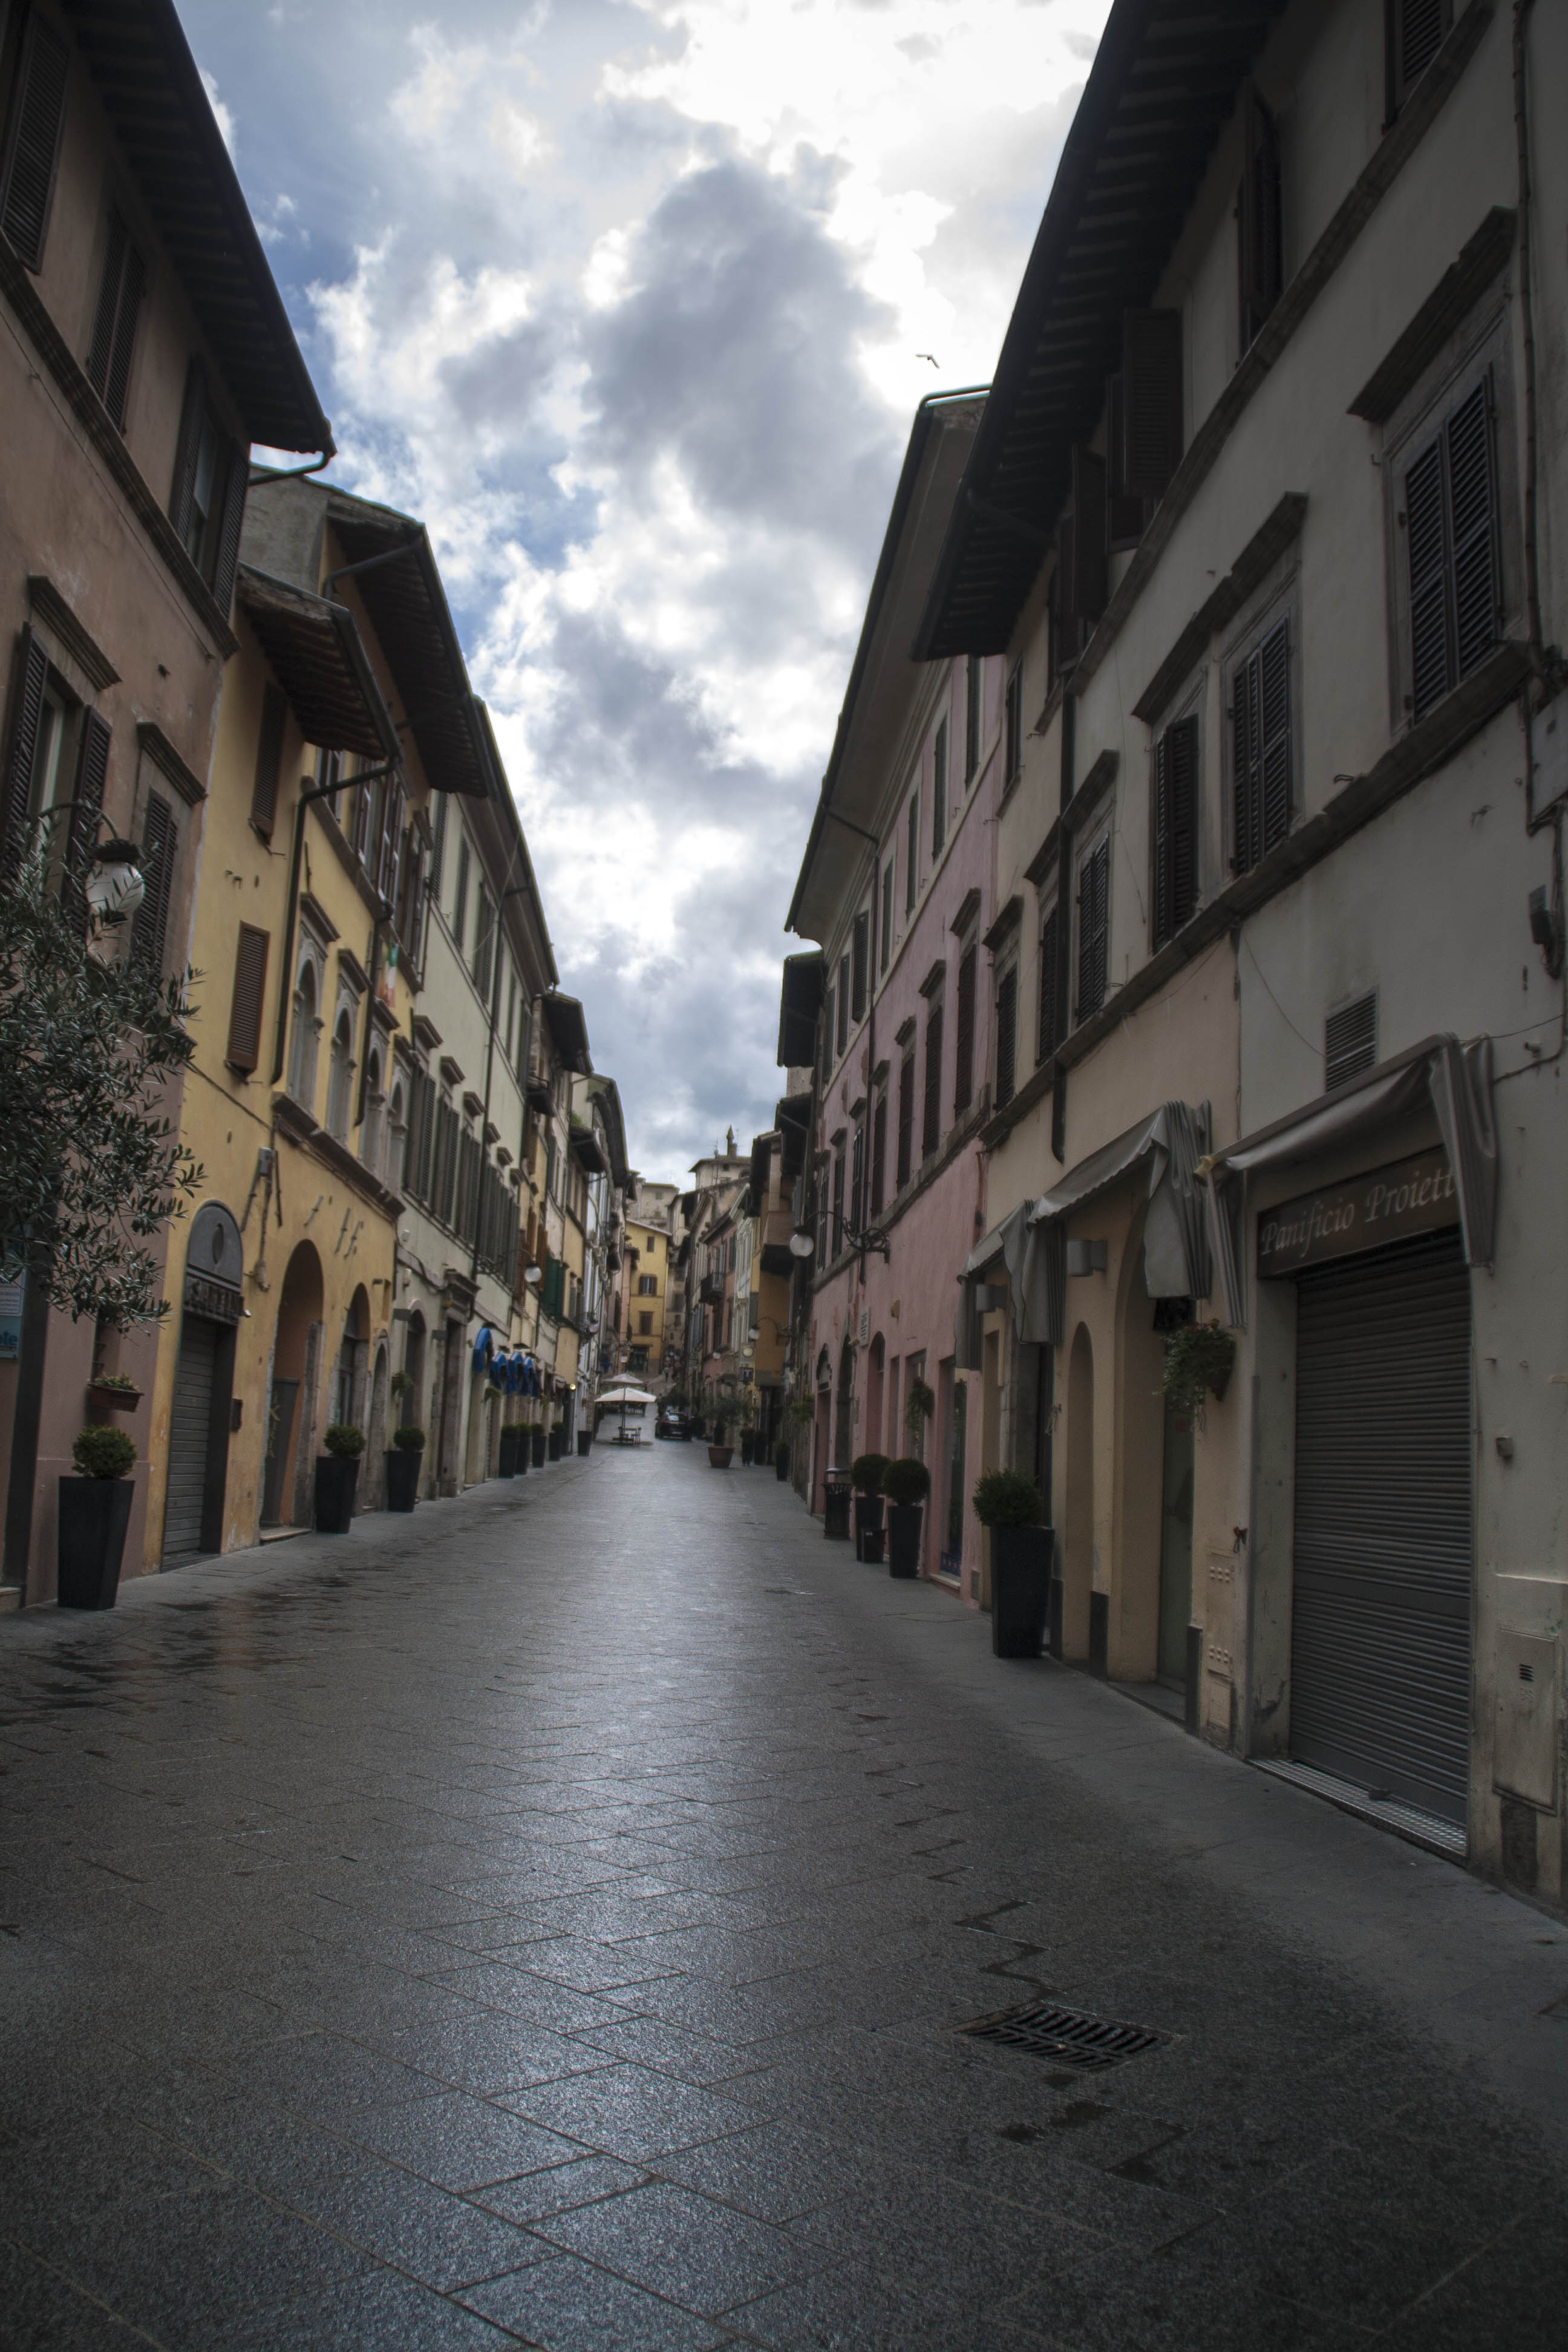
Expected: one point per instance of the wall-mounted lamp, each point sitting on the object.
(803, 1243)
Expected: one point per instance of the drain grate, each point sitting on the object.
(1068, 2036)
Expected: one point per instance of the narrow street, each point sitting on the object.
(547, 1919)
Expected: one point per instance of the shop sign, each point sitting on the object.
(213, 1300)
(1413, 1196)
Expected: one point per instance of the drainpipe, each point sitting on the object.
(1064, 917)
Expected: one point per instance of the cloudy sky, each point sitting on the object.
(625, 299)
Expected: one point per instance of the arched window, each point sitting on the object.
(306, 1029)
(340, 1078)
(372, 1136)
(398, 1137)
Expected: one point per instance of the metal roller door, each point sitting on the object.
(1380, 1634)
(190, 1426)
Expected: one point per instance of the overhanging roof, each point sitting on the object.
(408, 610)
(320, 663)
(585, 1147)
(792, 1115)
(154, 97)
(800, 1000)
(1164, 82)
(564, 1015)
(606, 1097)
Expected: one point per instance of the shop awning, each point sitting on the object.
(320, 663)
(1453, 1081)
(1013, 1245)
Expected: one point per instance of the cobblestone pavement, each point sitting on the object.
(547, 1919)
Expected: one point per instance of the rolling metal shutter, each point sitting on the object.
(190, 1425)
(1380, 1634)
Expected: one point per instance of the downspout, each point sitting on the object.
(1064, 918)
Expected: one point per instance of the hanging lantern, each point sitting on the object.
(114, 886)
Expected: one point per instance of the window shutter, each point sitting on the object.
(862, 950)
(963, 1036)
(1416, 29)
(359, 822)
(1468, 436)
(1259, 246)
(230, 524)
(390, 858)
(119, 293)
(837, 1201)
(1261, 719)
(1006, 1035)
(1184, 760)
(1088, 535)
(1150, 399)
(86, 803)
(886, 946)
(880, 1153)
(1093, 940)
(193, 417)
(939, 790)
(1160, 924)
(1049, 1031)
(34, 157)
(268, 760)
(160, 842)
(28, 681)
(913, 855)
(843, 1038)
(249, 992)
(827, 1027)
(906, 1119)
(1124, 513)
(930, 1132)
(972, 677)
(857, 1181)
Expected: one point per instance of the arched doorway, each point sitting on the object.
(1077, 1549)
(372, 1485)
(211, 1306)
(350, 1368)
(844, 1415)
(872, 1438)
(288, 1472)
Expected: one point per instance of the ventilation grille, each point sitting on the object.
(1067, 2036)
(1350, 1041)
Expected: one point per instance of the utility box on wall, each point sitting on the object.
(1524, 1754)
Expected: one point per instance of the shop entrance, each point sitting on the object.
(1380, 1629)
(204, 1387)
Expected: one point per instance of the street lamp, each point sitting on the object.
(803, 1243)
(114, 887)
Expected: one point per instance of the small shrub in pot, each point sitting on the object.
(94, 1514)
(866, 1474)
(403, 1466)
(906, 1483)
(337, 1477)
(1011, 1506)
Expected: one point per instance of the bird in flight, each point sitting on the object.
(926, 355)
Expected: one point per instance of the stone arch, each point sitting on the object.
(293, 1400)
(341, 1075)
(373, 1482)
(372, 1135)
(307, 1030)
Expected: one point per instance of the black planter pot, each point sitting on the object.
(781, 1465)
(536, 1442)
(585, 1440)
(505, 1454)
(554, 1445)
(402, 1478)
(904, 1538)
(868, 1514)
(336, 1480)
(871, 1542)
(836, 1512)
(521, 1452)
(748, 1446)
(94, 1514)
(1020, 1589)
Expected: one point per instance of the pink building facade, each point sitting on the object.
(896, 886)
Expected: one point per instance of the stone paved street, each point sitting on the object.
(547, 1919)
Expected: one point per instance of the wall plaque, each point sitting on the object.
(1413, 1196)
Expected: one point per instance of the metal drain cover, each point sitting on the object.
(1068, 2036)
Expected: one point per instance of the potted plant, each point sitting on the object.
(116, 1391)
(906, 1483)
(537, 1442)
(720, 1450)
(1010, 1506)
(1199, 1360)
(866, 1475)
(585, 1443)
(94, 1512)
(918, 1406)
(506, 1450)
(402, 1467)
(336, 1477)
(552, 1442)
(400, 1384)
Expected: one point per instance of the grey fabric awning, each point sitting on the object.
(1454, 1081)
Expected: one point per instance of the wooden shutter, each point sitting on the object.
(1006, 1035)
(359, 822)
(843, 1038)
(913, 855)
(87, 806)
(1087, 579)
(391, 851)
(931, 1129)
(972, 678)
(187, 448)
(1416, 29)
(1261, 721)
(1260, 245)
(160, 843)
(1173, 879)
(906, 1119)
(862, 955)
(837, 1201)
(30, 678)
(38, 115)
(1150, 399)
(885, 947)
(1050, 1034)
(1125, 515)
(879, 1152)
(268, 760)
(857, 1180)
(249, 994)
(119, 293)
(1093, 930)
(231, 522)
(939, 790)
(1468, 446)
(827, 1019)
(964, 1037)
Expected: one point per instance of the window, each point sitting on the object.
(389, 852)
(268, 760)
(939, 790)
(1093, 930)
(858, 1178)
(1085, 581)
(648, 1286)
(306, 1029)
(843, 1038)
(206, 502)
(37, 724)
(1415, 31)
(973, 679)
(1006, 1035)
(912, 853)
(828, 1016)
(1050, 1022)
(1174, 831)
(644, 1324)
(484, 943)
(160, 844)
(119, 293)
(963, 1038)
(886, 941)
(461, 895)
(880, 1153)
(438, 844)
(861, 950)
(1014, 724)
(1127, 513)
(1452, 572)
(838, 1200)
(1151, 400)
(38, 106)
(397, 1140)
(362, 826)
(245, 1005)
(931, 1126)
(340, 1078)
(1259, 246)
(1066, 633)
(1260, 736)
(905, 1115)
(372, 1131)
